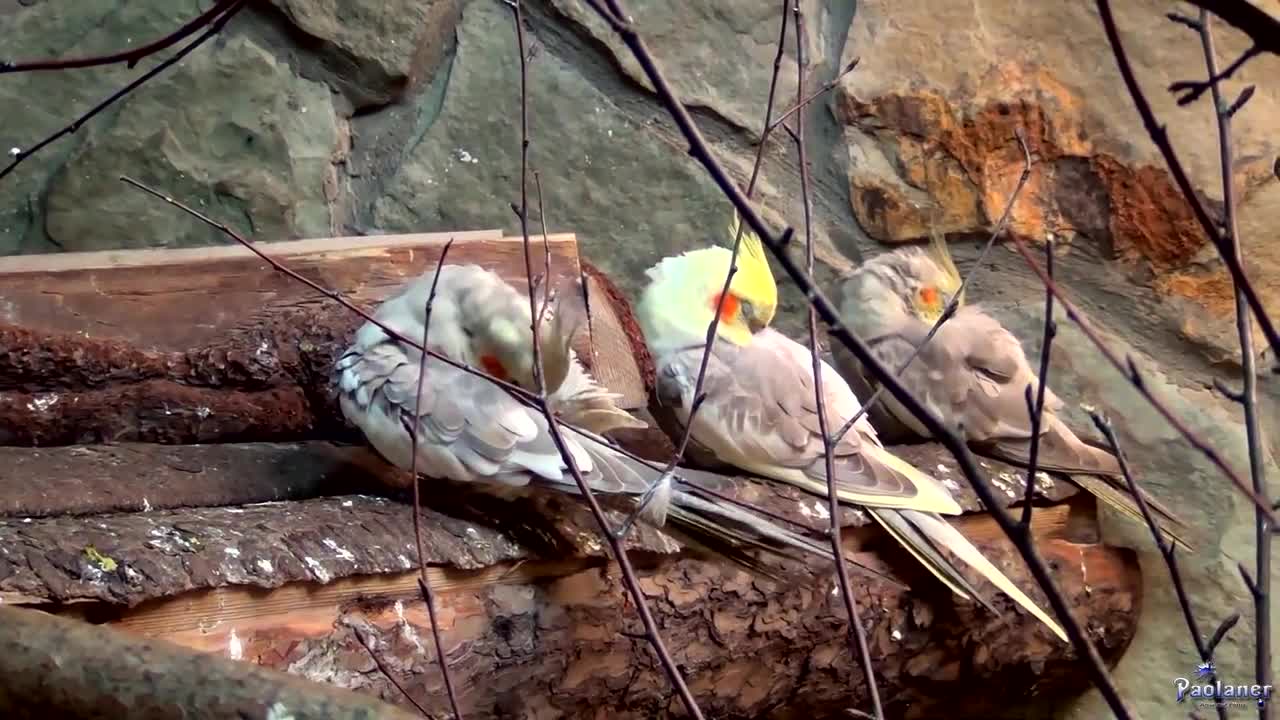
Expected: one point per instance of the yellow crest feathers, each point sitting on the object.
(753, 263)
(941, 254)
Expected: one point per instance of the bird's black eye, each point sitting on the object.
(746, 309)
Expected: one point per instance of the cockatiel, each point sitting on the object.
(471, 429)
(973, 373)
(759, 411)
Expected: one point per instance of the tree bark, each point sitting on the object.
(55, 667)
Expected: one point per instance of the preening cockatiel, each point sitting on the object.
(973, 373)
(759, 412)
(471, 429)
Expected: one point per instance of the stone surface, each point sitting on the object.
(231, 132)
(717, 56)
(50, 100)
(930, 118)
(379, 48)
(592, 155)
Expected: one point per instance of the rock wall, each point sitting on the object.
(312, 117)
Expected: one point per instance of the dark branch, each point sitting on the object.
(1036, 406)
(617, 19)
(130, 57)
(1161, 138)
(424, 583)
(553, 426)
(1260, 590)
(857, 634)
(215, 26)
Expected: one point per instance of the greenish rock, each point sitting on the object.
(376, 49)
(231, 131)
(41, 103)
(620, 183)
(715, 55)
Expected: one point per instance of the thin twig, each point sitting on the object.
(424, 583)
(546, 256)
(519, 392)
(712, 327)
(130, 57)
(386, 671)
(1129, 368)
(803, 103)
(1167, 549)
(1248, 397)
(856, 633)
(954, 303)
(1036, 406)
(620, 22)
(215, 26)
(1249, 18)
(553, 426)
(1161, 138)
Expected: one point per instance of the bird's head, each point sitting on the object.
(933, 280)
(684, 293)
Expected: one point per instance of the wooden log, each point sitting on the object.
(534, 632)
(210, 344)
(55, 667)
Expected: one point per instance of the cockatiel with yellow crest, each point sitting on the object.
(471, 429)
(759, 411)
(973, 373)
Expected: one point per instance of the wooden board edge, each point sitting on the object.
(150, 257)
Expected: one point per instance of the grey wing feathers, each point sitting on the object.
(764, 408)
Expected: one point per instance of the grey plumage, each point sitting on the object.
(471, 429)
(973, 374)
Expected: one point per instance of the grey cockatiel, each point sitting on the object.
(973, 373)
(759, 408)
(470, 429)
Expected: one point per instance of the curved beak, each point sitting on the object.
(755, 324)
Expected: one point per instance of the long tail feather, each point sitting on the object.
(924, 551)
(942, 532)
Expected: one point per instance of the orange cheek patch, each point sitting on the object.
(493, 366)
(929, 296)
(728, 310)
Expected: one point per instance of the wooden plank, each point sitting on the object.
(137, 477)
(166, 549)
(183, 298)
(222, 350)
(560, 634)
(140, 477)
(614, 334)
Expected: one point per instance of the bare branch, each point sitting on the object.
(1167, 549)
(424, 583)
(553, 426)
(1248, 397)
(129, 57)
(857, 634)
(1248, 18)
(386, 671)
(1036, 406)
(215, 26)
(620, 22)
(1161, 138)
